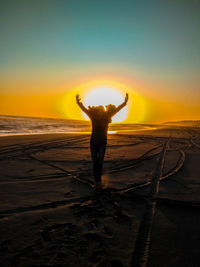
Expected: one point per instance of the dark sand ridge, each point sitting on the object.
(51, 216)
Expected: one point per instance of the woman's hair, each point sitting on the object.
(98, 113)
(96, 109)
(110, 107)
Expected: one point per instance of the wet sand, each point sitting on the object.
(51, 216)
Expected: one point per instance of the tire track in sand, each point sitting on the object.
(140, 254)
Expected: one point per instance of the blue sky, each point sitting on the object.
(141, 33)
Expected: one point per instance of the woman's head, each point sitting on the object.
(110, 108)
(98, 110)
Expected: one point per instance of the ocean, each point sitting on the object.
(18, 125)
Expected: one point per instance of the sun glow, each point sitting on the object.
(103, 92)
(106, 96)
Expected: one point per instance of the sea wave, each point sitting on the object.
(16, 125)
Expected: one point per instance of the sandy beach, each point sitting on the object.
(149, 210)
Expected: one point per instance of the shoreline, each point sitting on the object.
(84, 132)
(33, 134)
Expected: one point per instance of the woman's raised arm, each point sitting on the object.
(78, 101)
(122, 105)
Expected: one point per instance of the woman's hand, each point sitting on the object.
(78, 99)
(126, 98)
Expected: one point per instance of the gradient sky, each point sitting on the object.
(50, 47)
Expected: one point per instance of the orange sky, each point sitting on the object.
(58, 100)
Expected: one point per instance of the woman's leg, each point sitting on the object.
(101, 153)
(95, 161)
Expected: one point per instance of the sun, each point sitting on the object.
(103, 92)
(106, 96)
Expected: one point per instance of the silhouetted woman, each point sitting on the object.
(100, 119)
